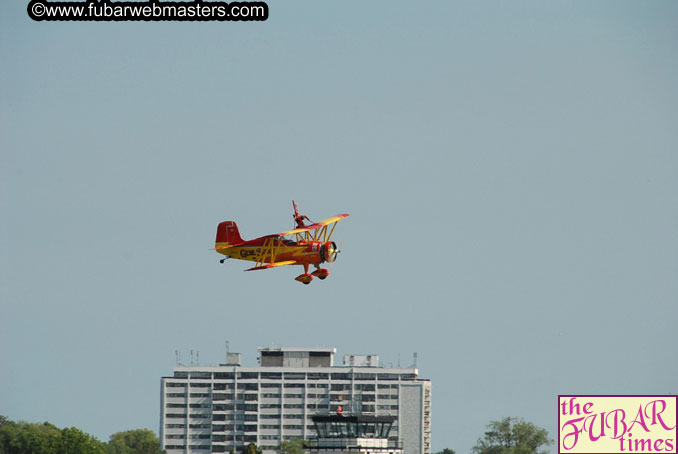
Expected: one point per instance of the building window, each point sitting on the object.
(202, 375)
(271, 376)
(294, 376)
(248, 375)
(294, 396)
(317, 376)
(337, 376)
(225, 375)
(364, 387)
(364, 376)
(176, 395)
(388, 376)
(271, 396)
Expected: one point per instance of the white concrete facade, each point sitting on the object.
(222, 408)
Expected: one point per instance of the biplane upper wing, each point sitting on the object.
(316, 226)
(272, 265)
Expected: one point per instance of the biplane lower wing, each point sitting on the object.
(272, 265)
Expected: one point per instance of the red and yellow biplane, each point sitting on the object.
(311, 246)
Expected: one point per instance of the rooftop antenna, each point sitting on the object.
(227, 350)
(192, 363)
(197, 358)
(398, 360)
(415, 360)
(178, 356)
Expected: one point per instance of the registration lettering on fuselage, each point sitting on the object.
(244, 253)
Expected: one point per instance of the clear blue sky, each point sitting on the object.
(511, 170)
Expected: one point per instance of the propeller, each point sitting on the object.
(334, 251)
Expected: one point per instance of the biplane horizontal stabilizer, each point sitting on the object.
(226, 246)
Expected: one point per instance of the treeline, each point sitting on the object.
(507, 436)
(45, 438)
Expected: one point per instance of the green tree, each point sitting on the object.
(513, 436)
(140, 441)
(294, 446)
(75, 441)
(446, 451)
(251, 449)
(25, 438)
(30, 438)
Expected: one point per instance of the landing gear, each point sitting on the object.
(321, 273)
(222, 260)
(304, 278)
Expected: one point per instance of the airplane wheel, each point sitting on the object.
(322, 278)
(222, 260)
(306, 283)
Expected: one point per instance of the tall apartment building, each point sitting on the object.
(222, 408)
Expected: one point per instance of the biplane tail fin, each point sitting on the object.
(228, 234)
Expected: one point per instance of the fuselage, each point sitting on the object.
(277, 250)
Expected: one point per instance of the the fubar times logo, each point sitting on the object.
(617, 424)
